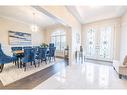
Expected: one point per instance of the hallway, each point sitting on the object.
(85, 76)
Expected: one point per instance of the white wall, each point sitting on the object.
(123, 49)
(7, 24)
(115, 24)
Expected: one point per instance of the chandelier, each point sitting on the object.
(34, 27)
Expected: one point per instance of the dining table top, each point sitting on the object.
(18, 51)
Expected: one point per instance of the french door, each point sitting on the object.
(99, 43)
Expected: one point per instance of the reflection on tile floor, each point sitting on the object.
(84, 76)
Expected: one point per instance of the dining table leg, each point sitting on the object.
(21, 62)
(1, 67)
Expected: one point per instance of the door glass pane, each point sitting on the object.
(105, 42)
(63, 42)
(91, 42)
(53, 39)
(57, 42)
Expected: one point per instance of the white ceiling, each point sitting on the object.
(88, 14)
(25, 14)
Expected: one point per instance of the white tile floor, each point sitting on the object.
(84, 76)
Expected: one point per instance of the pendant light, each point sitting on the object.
(34, 27)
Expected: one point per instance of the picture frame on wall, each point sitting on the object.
(19, 38)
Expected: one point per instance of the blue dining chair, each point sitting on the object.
(37, 54)
(42, 55)
(51, 53)
(4, 59)
(16, 48)
(18, 56)
(27, 47)
(29, 57)
(34, 53)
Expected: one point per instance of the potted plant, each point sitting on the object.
(44, 45)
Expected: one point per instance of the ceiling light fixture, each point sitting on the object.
(34, 27)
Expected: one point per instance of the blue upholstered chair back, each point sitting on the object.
(28, 55)
(33, 53)
(52, 51)
(5, 58)
(51, 45)
(36, 48)
(42, 53)
(16, 48)
(1, 52)
(28, 47)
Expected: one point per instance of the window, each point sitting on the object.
(59, 39)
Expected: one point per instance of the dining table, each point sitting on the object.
(18, 52)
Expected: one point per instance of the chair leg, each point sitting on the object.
(24, 65)
(18, 64)
(31, 63)
(45, 61)
(21, 65)
(54, 58)
(120, 76)
(1, 67)
(34, 64)
(38, 62)
(15, 63)
(41, 60)
(25, 68)
(49, 59)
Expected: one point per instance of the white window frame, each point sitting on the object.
(58, 35)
